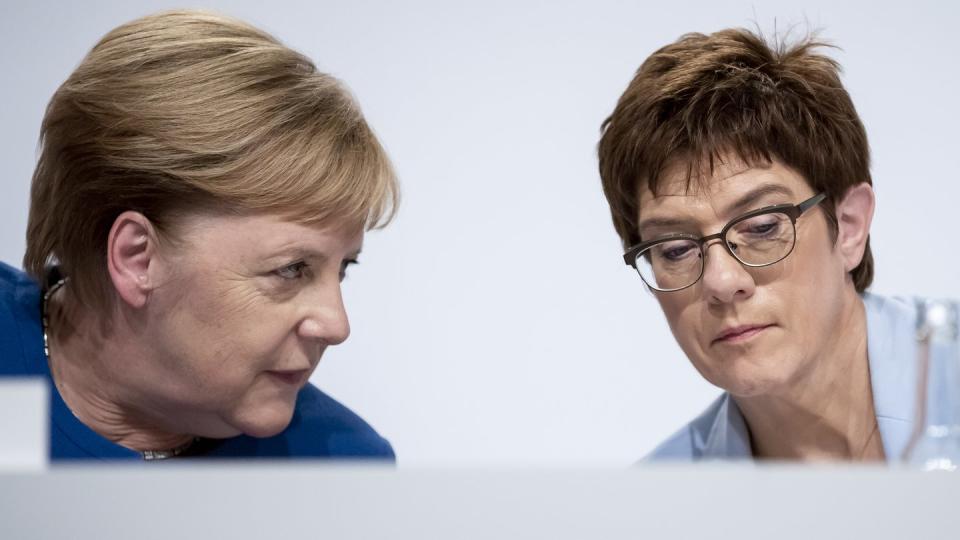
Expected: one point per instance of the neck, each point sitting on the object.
(827, 413)
(84, 358)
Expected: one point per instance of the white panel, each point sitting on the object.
(24, 424)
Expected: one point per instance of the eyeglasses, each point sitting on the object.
(758, 238)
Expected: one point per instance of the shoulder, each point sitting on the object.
(321, 427)
(891, 351)
(717, 433)
(20, 327)
(677, 447)
(14, 285)
(685, 443)
(890, 308)
(316, 410)
(891, 330)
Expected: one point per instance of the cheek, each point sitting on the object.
(804, 299)
(681, 313)
(233, 302)
(220, 322)
(812, 282)
(244, 321)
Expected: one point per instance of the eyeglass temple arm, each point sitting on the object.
(811, 202)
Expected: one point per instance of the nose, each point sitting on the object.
(725, 279)
(325, 317)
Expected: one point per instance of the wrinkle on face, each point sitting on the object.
(240, 294)
(782, 294)
(701, 202)
(226, 318)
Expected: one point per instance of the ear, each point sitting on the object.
(854, 215)
(131, 254)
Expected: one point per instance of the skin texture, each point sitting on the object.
(800, 375)
(211, 335)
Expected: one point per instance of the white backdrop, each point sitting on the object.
(494, 321)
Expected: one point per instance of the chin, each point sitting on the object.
(745, 378)
(749, 388)
(265, 422)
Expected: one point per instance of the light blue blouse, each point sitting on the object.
(720, 432)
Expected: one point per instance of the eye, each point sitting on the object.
(761, 227)
(292, 271)
(676, 251)
(344, 265)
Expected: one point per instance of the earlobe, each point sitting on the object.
(131, 249)
(854, 216)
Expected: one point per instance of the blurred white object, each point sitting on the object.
(302, 499)
(24, 424)
(935, 443)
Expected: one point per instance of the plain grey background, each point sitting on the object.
(494, 321)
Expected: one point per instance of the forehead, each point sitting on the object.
(255, 234)
(707, 194)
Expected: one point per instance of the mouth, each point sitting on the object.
(290, 377)
(740, 334)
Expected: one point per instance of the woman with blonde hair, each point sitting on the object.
(200, 192)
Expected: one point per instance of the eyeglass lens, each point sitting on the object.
(756, 241)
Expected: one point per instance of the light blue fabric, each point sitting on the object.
(720, 432)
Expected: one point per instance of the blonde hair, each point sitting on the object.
(184, 111)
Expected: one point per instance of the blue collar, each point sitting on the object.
(891, 350)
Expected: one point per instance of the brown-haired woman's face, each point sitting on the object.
(750, 331)
(250, 305)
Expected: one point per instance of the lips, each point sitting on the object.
(740, 333)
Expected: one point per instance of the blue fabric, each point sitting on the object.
(720, 432)
(321, 427)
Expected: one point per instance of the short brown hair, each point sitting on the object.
(188, 110)
(732, 92)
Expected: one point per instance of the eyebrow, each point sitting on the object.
(297, 252)
(738, 206)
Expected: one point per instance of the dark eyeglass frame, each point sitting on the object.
(793, 211)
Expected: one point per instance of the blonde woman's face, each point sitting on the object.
(251, 305)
